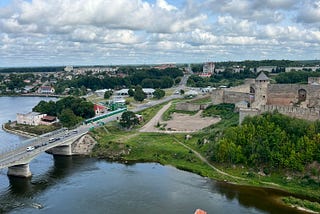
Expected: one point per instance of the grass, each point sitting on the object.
(38, 130)
(148, 147)
(296, 202)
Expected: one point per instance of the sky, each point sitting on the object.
(112, 32)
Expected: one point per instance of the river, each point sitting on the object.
(86, 185)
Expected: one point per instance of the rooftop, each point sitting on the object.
(262, 77)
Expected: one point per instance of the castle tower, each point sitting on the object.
(260, 90)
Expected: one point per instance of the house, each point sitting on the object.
(148, 91)
(99, 109)
(269, 69)
(46, 90)
(48, 120)
(31, 118)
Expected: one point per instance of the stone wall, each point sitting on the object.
(247, 112)
(234, 97)
(190, 106)
(297, 112)
(83, 146)
(287, 94)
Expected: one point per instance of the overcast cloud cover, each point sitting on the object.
(88, 32)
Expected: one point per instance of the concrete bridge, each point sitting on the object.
(59, 142)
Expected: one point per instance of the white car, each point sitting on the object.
(30, 148)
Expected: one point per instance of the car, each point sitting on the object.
(75, 131)
(30, 148)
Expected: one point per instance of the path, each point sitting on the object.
(207, 162)
(150, 126)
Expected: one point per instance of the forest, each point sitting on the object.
(270, 141)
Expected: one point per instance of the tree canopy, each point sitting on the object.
(79, 107)
(128, 119)
(271, 140)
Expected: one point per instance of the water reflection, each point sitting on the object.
(265, 199)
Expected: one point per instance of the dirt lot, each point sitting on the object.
(179, 122)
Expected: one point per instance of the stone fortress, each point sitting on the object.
(258, 95)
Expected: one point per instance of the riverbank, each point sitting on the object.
(18, 132)
(173, 149)
(188, 153)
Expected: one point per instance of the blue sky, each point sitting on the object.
(89, 32)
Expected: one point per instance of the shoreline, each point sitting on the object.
(18, 132)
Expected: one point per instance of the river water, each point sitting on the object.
(86, 185)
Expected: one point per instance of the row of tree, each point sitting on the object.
(226, 76)
(296, 77)
(271, 140)
(149, 78)
(69, 110)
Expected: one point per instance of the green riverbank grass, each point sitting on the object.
(299, 203)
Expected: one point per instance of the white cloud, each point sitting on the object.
(310, 12)
(131, 31)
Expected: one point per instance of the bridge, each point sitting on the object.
(62, 141)
(59, 142)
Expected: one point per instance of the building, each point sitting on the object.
(99, 109)
(46, 90)
(268, 69)
(124, 92)
(294, 100)
(314, 68)
(207, 69)
(31, 118)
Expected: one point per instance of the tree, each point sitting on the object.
(139, 95)
(128, 119)
(159, 93)
(107, 94)
(131, 92)
(68, 118)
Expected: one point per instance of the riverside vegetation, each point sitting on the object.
(270, 150)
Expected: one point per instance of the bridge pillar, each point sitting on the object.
(22, 170)
(61, 150)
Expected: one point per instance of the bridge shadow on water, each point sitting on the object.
(21, 191)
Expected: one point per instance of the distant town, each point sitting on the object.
(48, 80)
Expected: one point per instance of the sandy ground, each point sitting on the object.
(179, 122)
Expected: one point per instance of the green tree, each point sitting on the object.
(128, 119)
(68, 118)
(107, 94)
(159, 93)
(131, 92)
(139, 95)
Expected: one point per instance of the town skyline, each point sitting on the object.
(102, 32)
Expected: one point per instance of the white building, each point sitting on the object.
(31, 118)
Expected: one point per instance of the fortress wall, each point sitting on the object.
(190, 106)
(302, 113)
(217, 96)
(234, 97)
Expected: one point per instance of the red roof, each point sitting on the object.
(199, 211)
(49, 118)
(98, 107)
